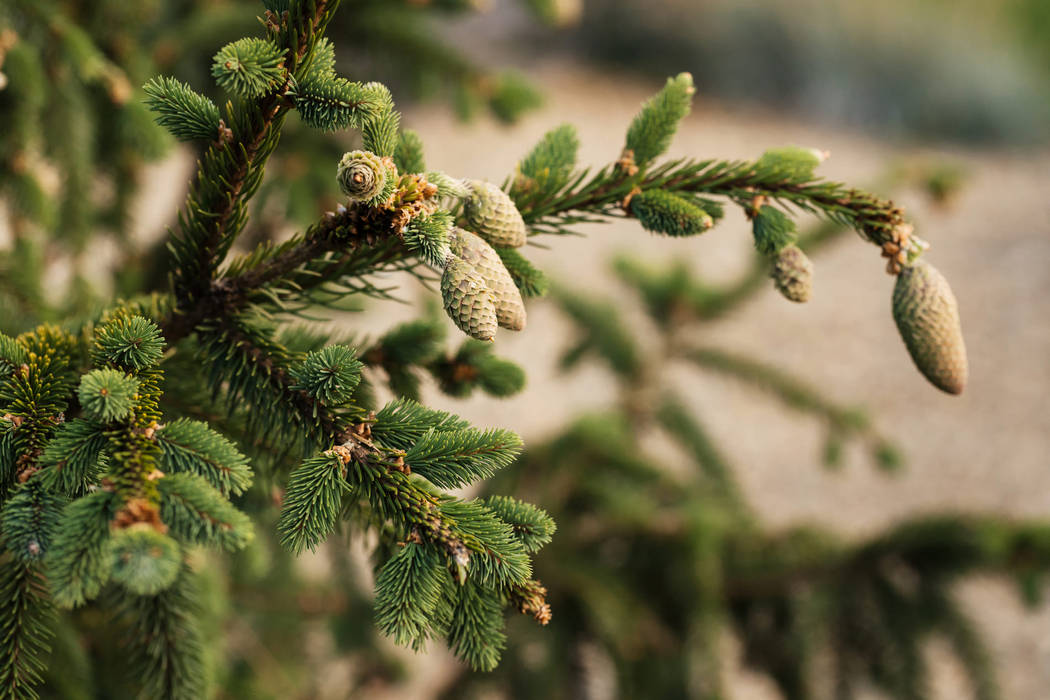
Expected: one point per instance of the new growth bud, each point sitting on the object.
(107, 395)
(665, 212)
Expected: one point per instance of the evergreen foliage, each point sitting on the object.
(186, 115)
(328, 375)
(26, 620)
(116, 472)
(651, 132)
(549, 164)
(798, 599)
(249, 67)
(669, 214)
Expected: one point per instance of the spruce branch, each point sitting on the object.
(312, 503)
(649, 135)
(533, 527)
(590, 198)
(408, 156)
(28, 521)
(549, 165)
(230, 172)
(476, 634)
(333, 104)
(163, 640)
(249, 67)
(26, 628)
(70, 462)
(186, 114)
(197, 512)
(453, 458)
(78, 565)
(193, 447)
(409, 589)
(352, 241)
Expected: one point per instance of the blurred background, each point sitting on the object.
(942, 104)
(962, 87)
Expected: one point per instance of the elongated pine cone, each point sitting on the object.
(927, 317)
(793, 274)
(363, 176)
(510, 308)
(468, 300)
(491, 214)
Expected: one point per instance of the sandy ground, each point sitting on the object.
(985, 451)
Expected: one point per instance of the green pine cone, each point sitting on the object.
(927, 317)
(365, 177)
(793, 274)
(491, 213)
(667, 213)
(510, 308)
(468, 301)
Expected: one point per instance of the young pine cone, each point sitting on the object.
(468, 300)
(510, 309)
(364, 177)
(793, 274)
(493, 216)
(927, 317)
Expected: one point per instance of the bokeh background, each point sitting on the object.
(879, 85)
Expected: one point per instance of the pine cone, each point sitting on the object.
(492, 214)
(793, 274)
(927, 317)
(363, 176)
(510, 309)
(468, 301)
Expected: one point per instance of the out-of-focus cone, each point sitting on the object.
(793, 274)
(927, 317)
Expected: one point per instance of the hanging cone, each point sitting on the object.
(510, 309)
(468, 300)
(793, 274)
(927, 317)
(491, 213)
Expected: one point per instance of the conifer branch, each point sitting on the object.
(163, 640)
(590, 199)
(231, 169)
(26, 619)
(362, 239)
